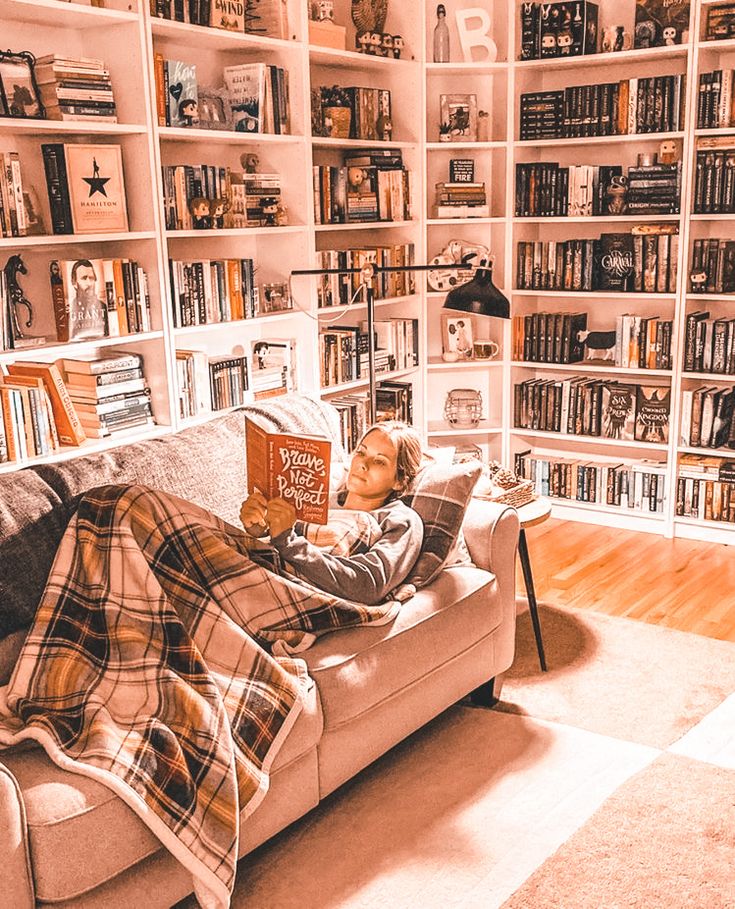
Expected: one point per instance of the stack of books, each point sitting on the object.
(109, 392)
(75, 88)
(461, 200)
(273, 367)
(654, 189)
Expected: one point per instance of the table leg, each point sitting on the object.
(531, 594)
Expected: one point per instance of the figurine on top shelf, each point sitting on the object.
(370, 38)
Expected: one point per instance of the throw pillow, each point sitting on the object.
(440, 495)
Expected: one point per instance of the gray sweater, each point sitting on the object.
(365, 577)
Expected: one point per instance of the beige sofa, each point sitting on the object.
(69, 841)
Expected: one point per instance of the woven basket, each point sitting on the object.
(518, 495)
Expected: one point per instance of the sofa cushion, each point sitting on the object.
(32, 521)
(356, 669)
(440, 494)
(82, 834)
(204, 464)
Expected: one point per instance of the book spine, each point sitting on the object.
(58, 189)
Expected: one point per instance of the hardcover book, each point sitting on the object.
(68, 425)
(246, 85)
(618, 411)
(182, 93)
(289, 466)
(229, 14)
(96, 188)
(79, 298)
(615, 267)
(653, 403)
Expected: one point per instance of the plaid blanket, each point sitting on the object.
(156, 665)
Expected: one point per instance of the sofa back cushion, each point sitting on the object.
(204, 464)
(32, 521)
(440, 495)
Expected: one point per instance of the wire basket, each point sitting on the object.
(516, 496)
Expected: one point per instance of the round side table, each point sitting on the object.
(530, 515)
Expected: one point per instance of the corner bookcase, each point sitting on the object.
(127, 37)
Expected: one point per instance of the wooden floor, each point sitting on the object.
(682, 584)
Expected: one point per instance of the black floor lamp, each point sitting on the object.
(478, 296)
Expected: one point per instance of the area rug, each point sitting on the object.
(622, 678)
(666, 838)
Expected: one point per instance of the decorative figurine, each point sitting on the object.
(249, 162)
(15, 266)
(398, 45)
(369, 15)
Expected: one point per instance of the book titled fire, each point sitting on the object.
(290, 466)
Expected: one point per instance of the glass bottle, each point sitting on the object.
(441, 36)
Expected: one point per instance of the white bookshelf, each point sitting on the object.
(415, 82)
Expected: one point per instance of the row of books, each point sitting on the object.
(109, 393)
(27, 427)
(646, 105)
(642, 342)
(715, 99)
(370, 111)
(339, 290)
(709, 344)
(712, 268)
(75, 88)
(638, 262)
(550, 190)
(633, 485)
(714, 182)
(343, 350)
(255, 98)
(583, 406)
(393, 401)
(378, 190)
(99, 298)
(204, 197)
(13, 217)
(719, 22)
(707, 417)
(566, 29)
(707, 500)
(205, 291)
(264, 17)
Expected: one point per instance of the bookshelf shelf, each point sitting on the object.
(324, 142)
(716, 47)
(465, 146)
(714, 217)
(709, 377)
(365, 225)
(620, 58)
(593, 368)
(217, 38)
(597, 219)
(387, 301)
(711, 298)
(66, 15)
(76, 239)
(326, 56)
(222, 136)
(599, 140)
(233, 232)
(30, 127)
(235, 324)
(483, 428)
(436, 364)
(76, 348)
(592, 295)
(635, 519)
(720, 131)
(329, 390)
(589, 440)
(712, 452)
(435, 222)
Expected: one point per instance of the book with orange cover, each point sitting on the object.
(68, 425)
(290, 466)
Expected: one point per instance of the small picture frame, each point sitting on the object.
(215, 110)
(458, 335)
(458, 118)
(19, 93)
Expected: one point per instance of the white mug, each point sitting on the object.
(485, 349)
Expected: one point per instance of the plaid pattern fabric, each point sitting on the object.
(440, 495)
(155, 665)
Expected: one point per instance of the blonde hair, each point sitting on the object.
(409, 453)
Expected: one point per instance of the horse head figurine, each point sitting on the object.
(13, 267)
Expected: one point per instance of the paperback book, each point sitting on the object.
(289, 466)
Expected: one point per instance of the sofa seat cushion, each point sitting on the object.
(356, 669)
(81, 834)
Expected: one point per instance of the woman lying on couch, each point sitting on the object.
(160, 661)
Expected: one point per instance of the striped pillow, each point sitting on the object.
(440, 495)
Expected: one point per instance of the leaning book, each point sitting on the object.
(290, 466)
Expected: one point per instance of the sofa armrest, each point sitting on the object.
(15, 860)
(491, 532)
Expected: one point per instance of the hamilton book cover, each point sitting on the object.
(96, 188)
(290, 466)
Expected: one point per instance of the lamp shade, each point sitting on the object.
(479, 296)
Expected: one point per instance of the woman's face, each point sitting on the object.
(373, 468)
